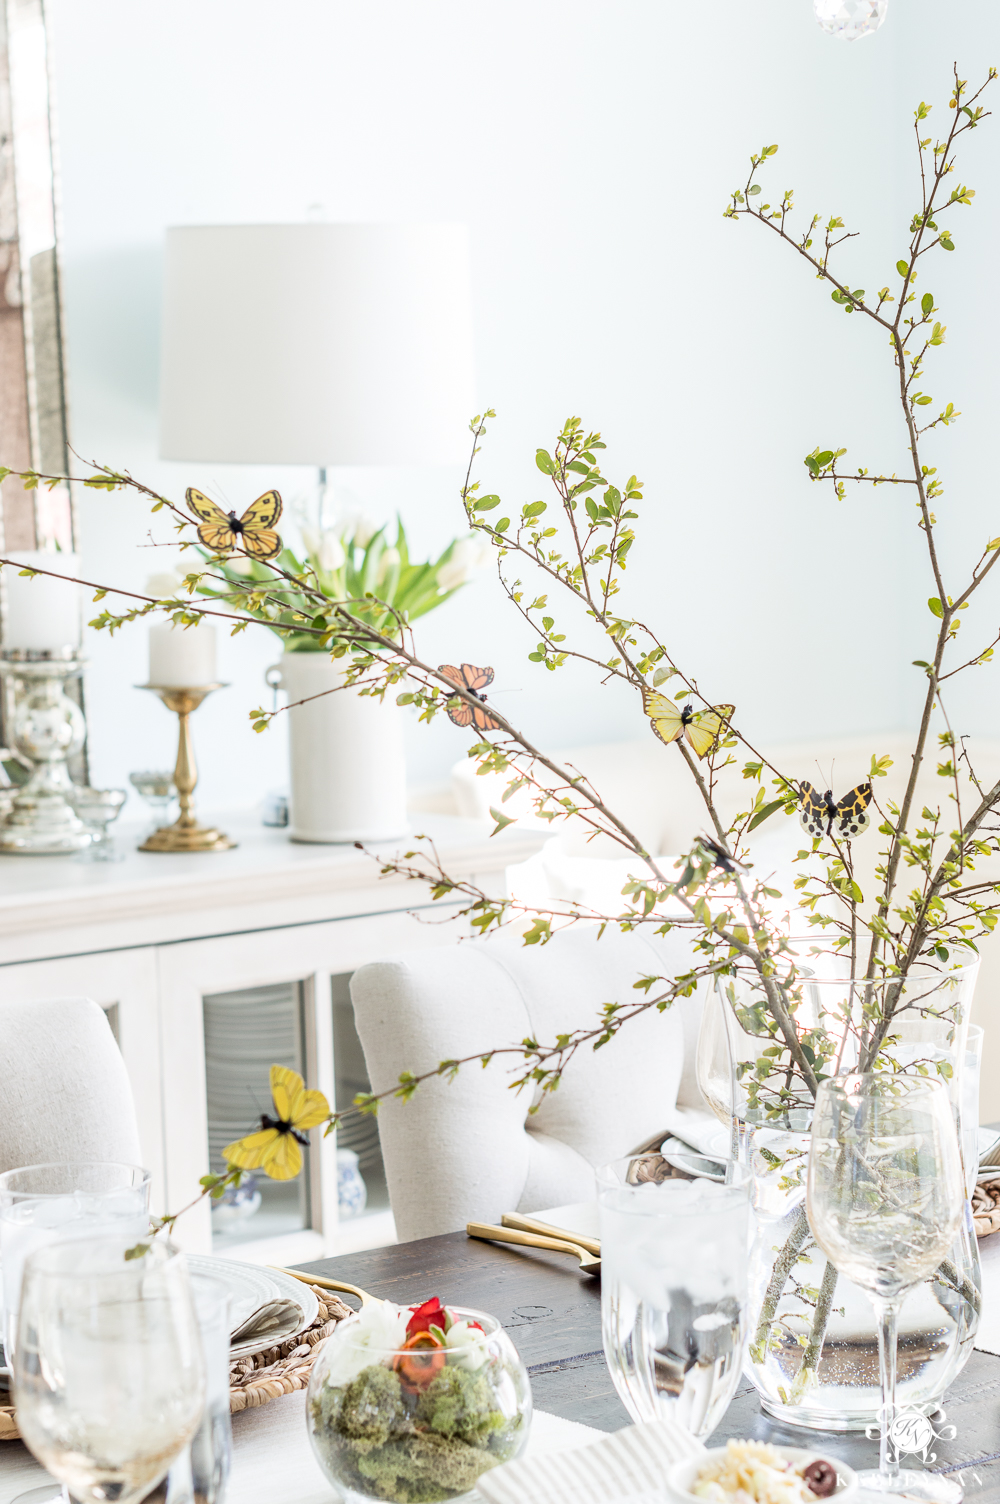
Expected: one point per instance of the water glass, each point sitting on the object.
(109, 1378)
(201, 1472)
(673, 1287)
(46, 1204)
(885, 1197)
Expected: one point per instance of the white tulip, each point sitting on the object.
(467, 556)
(330, 554)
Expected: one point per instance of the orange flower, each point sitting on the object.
(420, 1360)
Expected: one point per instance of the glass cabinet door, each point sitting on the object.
(246, 1033)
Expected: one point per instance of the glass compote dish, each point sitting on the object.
(109, 1379)
(158, 791)
(98, 808)
(416, 1402)
(884, 1203)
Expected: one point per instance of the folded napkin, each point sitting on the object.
(631, 1464)
(275, 1320)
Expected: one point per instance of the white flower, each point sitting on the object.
(330, 554)
(468, 1345)
(355, 526)
(468, 555)
(380, 1329)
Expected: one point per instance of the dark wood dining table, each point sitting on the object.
(552, 1312)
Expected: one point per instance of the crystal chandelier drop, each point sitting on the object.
(849, 19)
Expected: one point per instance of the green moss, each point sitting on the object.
(461, 1404)
(388, 1443)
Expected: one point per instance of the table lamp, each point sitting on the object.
(317, 344)
(322, 345)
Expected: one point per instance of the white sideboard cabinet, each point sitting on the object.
(252, 947)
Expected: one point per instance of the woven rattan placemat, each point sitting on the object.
(265, 1376)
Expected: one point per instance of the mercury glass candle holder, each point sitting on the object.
(48, 728)
(185, 834)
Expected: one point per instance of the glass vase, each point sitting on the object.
(813, 1348)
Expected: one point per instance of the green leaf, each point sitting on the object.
(501, 819)
(927, 303)
(534, 509)
(545, 462)
(486, 503)
(902, 267)
(754, 188)
(765, 813)
(936, 607)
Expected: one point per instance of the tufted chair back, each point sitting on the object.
(470, 1149)
(64, 1089)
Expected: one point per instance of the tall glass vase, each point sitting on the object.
(813, 1349)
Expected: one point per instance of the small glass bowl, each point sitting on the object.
(156, 788)
(419, 1422)
(98, 808)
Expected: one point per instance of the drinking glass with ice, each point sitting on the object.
(53, 1203)
(673, 1287)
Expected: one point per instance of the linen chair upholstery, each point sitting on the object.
(64, 1089)
(469, 1149)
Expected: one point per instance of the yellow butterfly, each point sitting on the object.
(275, 1147)
(701, 727)
(219, 530)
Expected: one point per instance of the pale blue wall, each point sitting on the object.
(591, 147)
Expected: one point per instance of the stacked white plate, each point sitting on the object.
(252, 1287)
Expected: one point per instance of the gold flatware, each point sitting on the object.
(325, 1284)
(532, 1224)
(588, 1264)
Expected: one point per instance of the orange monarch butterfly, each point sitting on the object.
(219, 531)
(460, 712)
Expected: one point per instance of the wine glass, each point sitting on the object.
(109, 1377)
(884, 1202)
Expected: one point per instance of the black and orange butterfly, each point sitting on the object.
(219, 530)
(843, 819)
(475, 680)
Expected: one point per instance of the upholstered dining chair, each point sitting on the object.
(470, 1149)
(64, 1090)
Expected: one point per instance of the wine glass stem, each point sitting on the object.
(887, 1314)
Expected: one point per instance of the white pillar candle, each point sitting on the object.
(182, 657)
(42, 612)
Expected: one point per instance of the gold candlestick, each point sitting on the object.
(185, 834)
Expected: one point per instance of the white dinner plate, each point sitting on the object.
(251, 1286)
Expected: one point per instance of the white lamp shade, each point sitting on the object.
(317, 345)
